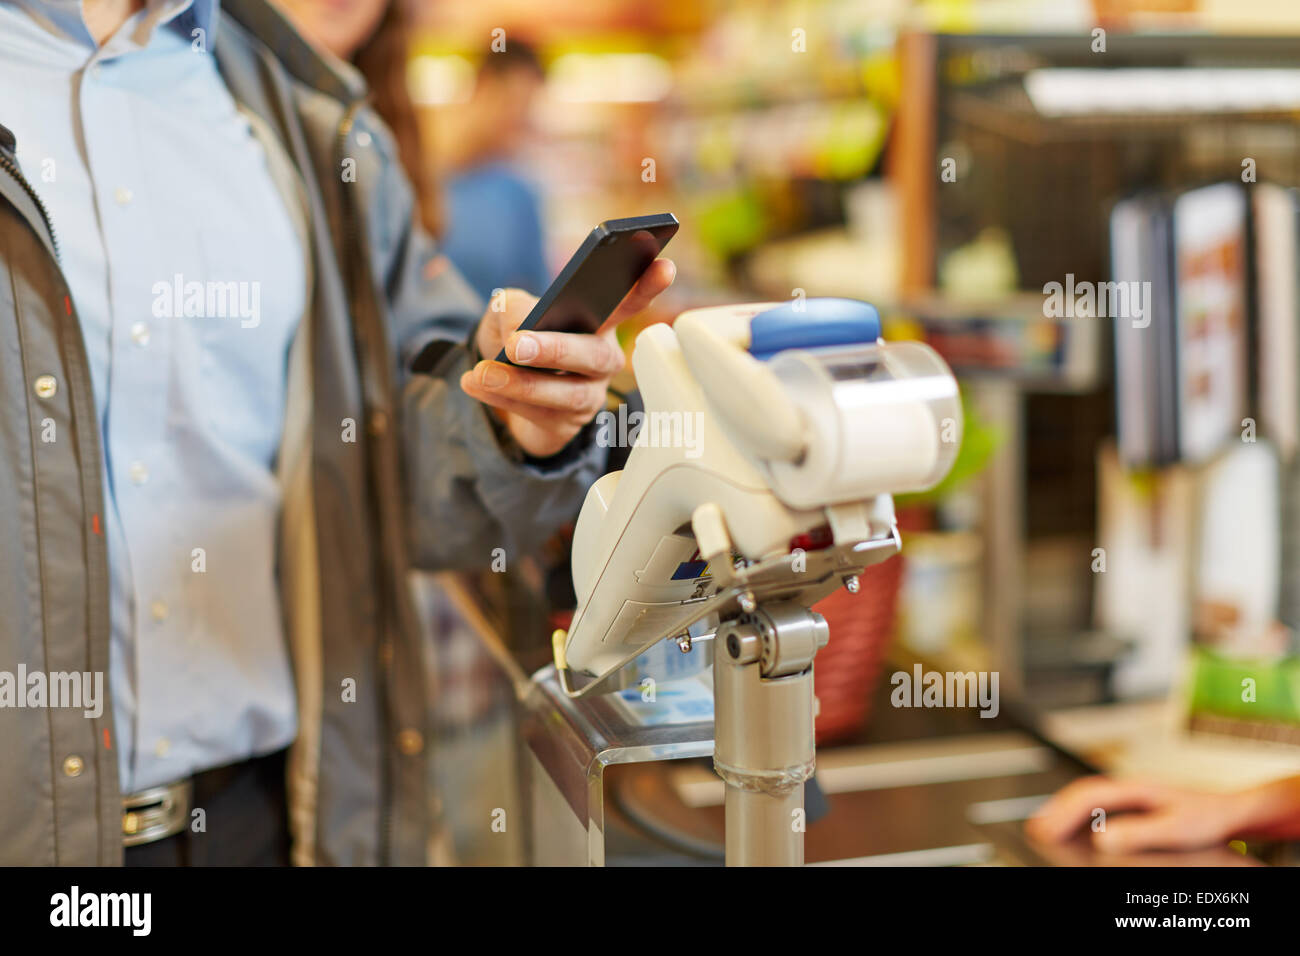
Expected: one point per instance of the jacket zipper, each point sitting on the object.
(351, 249)
(11, 167)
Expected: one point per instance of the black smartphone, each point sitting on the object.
(600, 274)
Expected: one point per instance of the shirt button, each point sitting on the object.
(162, 747)
(410, 742)
(363, 139)
(138, 473)
(158, 610)
(140, 333)
(72, 766)
(95, 70)
(46, 386)
(123, 195)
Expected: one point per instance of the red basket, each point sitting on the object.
(846, 670)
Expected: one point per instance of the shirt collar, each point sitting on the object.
(185, 16)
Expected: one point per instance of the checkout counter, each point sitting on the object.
(917, 787)
(674, 719)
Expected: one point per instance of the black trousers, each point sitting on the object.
(246, 821)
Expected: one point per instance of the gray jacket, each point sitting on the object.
(427, 482)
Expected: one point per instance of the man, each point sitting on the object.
(244, 398)
(485, 187)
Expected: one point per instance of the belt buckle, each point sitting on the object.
(155, 813)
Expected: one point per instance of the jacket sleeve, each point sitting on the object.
(470, 492)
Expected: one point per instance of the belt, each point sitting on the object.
(156, 813)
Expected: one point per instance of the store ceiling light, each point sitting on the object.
(1074, 92)
(610, 78)
(439, 80)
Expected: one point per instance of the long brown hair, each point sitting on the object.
(382, 61)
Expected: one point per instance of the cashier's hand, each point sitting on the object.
(1155, 817)
(544, 411)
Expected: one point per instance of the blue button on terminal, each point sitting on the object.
(812, 323)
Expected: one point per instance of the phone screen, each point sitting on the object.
(602, 279)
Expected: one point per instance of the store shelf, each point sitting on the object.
(1008, 339)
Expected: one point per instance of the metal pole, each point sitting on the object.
(763, 729)
(761, 830)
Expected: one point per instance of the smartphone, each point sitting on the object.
(600, 274)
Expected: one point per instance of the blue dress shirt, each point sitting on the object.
(189, 281)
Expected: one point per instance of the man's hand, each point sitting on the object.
(1162, 818)
(542, 410)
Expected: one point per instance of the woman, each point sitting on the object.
(471, 774)
(373, 35)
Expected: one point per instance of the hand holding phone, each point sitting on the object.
(599, 276)
(543, 411)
